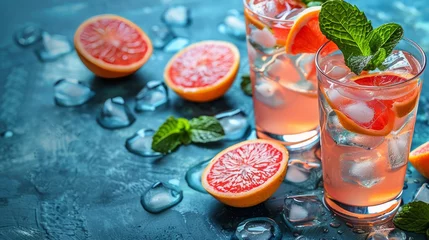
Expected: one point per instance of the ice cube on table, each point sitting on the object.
(161, 196)
(360, 168)
(161, 36)
(141, 144)
(422, 194)
(305, 174)
(233, 24)
(115, 114)
(28, 35)
(260, 228)
(302, 211)
(398, 150)
(152, 96)
(193, 176)
(268, 92)
(176, 44)
(343, 137)
(177, 16)
(71, 92)
(234, 123)
(53, 47)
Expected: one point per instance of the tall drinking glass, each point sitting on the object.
(284, 86)
(367, 124)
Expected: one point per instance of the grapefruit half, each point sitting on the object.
(246, 173)
(419, 158)
(203, 71)
(111, 46)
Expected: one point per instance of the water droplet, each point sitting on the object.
(335, 224)
(233, 24)
(193, 176)
(6, 134)
(178, 16)
(176, 44)
(234, 123)
(160, 197)
(325, 230)
(387, 234)
(152, 96)
(115, 114)
(141, 144)
(416, 181)
(258, 228)
(54, 47)
(409, 172)
(340, 232)
(405, 186)
(301, 238)
(28, 35)
(71, 92)
(358, 231)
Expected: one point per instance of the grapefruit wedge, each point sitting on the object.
(419, 158)
(247, 173)
(111, 46)
(203, 71)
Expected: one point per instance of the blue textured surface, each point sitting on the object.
(62, 176)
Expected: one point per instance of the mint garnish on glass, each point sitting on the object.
(413, 217)
(246, 85)
(177, 131)
(363, 47)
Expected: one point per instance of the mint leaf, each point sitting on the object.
(246, 85)
(171, 134)
(413, 217)
(358, 63)
(205, 129)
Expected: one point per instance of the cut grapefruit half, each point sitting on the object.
(203, 71)
(247, 173)
(419, 158)
(305, 35)
(111, 46)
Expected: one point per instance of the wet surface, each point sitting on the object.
(63, 176)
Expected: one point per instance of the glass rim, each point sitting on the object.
(246, 5)
(414, 44)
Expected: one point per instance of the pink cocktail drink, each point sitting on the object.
(284, 86)
(367, 124)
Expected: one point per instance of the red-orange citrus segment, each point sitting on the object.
(305, 35)
(419, 158)
(112, 46)
(203, 71)
(247, 173)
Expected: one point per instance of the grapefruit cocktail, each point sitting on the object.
(282, 39)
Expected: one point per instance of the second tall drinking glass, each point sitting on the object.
(284, 86)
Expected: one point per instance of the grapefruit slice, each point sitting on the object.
(305, 35)
(247, 173)
(203, 71)
(419, 158)
(111, 46)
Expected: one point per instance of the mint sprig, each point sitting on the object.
(177, 131)
(246, 84)
(413, 217)
(363, 47)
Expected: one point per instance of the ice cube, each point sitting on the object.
(344, 137)
(6, 134)
(152, 96)
(234, 24)
(359, 111)
(161, 36)
(398, 61)
(262, 39)
(360, 168)
(234, 123)
(251, 52)
(268, 92)
(176, 44)
(260, 228)
(193, 176)
(71, 92)
(302, 211)
(305, 174)
(141, 144)
(336, 68)
(422, 194)
(398, 150)
(306, 65)
(178, 16)
(115, 114)
(160, 197)
(387, 234)
(28, 35)
(54, 47)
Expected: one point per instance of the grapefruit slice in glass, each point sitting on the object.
(203, 71)
(419, 158)
(112, 46)
(247, 173)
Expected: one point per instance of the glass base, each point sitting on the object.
(375, 214)
(293, 142)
